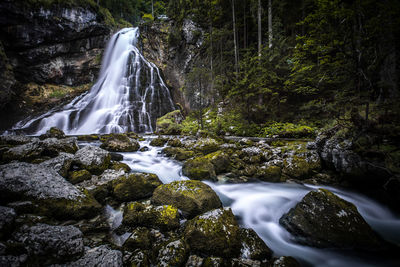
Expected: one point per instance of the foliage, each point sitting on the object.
(288, 130)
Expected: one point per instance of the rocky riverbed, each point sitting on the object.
(95, 200)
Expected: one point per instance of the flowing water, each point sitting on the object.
(260, 205)
(129, 95)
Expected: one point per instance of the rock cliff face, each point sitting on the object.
(175, 49)
(56, 44)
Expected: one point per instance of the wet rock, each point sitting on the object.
(220, 160)
(54, 242)
(134, 186)
(301, 167)
(26, 152)
(159, 141)
(14, 140)
(172, 254)
(191, 197)
(199, 169)
(285, 261)
(139, 259)
(120, 166)
(215, 233)
(169, 124)
(53, 146)
(61, 163)
(178, 153)
(245, 263)
(194, 261)
(93, 159)
(119, 143)
(116, 156)
(214, 262)
(79, 176)
(53, 132)
(53, 194)
(322, 219)
(175, 142)
(7, 218)
(101, 256)
(270, 173)
(253, 247)
(206, 145)
(139, 239)
(144, 149)
(162, 217)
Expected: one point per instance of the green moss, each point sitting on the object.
(199, 169)
(120, 166)
(170, 123)
(91, 137)
(270, 174)
(178, 153)
(79, 176)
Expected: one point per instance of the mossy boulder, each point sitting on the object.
(206, 145)
(120, 166)
(89, 137)
(270, 173)
(174, 253)
(191, 197)
(285, 261)
(159, 141)
(253, 247)
(220, 160)
(53, 132)
(214, 262)
(76, 177)
(175, 142)
(119, 143)
(134, 186)
(178, 153)
(214, 233)
(322, 219)
(164, 217)
(93, 159)
(199, 169)
(300, 167)
(170, 123)
(61, 163)
(139, 239)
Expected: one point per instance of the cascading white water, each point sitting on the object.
(129, 95)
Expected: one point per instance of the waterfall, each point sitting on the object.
(129, 95)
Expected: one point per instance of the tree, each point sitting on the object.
(259, 27)
(235, 38)
(269, 23)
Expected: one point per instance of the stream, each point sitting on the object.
(260, 205)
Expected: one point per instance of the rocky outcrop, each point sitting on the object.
(93, 159)
(322, 219)
(101, 256)
(119, 143)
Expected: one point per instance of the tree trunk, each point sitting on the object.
(270, 24)
(244, 26)
(259, 26)
(234, 37)
(152, 8)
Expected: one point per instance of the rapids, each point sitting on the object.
(260, 205)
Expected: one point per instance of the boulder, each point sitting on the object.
(93, 159)
(101, 256)
(178, 153)
(300, 167)
(76, 177)
(322, 219)
(285, 261)
(173, 254)
(194, 261)
(51, 242)
(53, 146)
(120, 166)
(139, 239)
(159, 141)
(14, 140)
(26, 152)
(270, 173)
(164, 217)
(199, 169)
(134, 186)
(215, 233)
(53, 132)
(7, 218)
(253, 247)
(191, 197)
(170, 123)
(119, 143)
(175, 142)
(206, 145)
(220, 160)
(61, 163)
(245, 263)
(53, 194)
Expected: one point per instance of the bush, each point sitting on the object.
(287, 130)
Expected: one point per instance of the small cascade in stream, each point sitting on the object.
(129, 95)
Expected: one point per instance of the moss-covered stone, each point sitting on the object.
(76, 177)
(178, 153)
(253, 247)
(134, 186)
(120, 166)
(53, 132)
(93, 159)
(199, 169)
(270, 173)
(173, 254)
(159, 141)
(191, 197)
(214, 233)
(139, 239)
(300, 167)
(214, 262)
(322, 219)
(119, 143)
(220, 160)
(90, 137)
(175, 142)
(164, 217)
(139, 258)
(285, 261)
(206, 145)
(170, 123)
